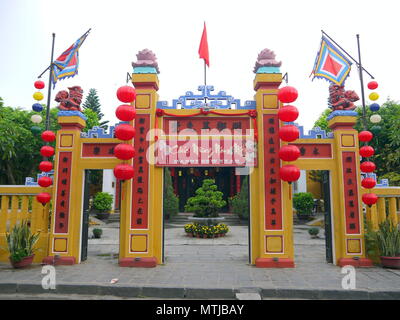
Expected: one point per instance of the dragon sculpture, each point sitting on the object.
(71, 100)
(341, 99)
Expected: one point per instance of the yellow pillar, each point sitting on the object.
(141, 240)
(393, 210)
(271, 204)
(64, 240)
(374, 217)
(381, 210)
(346, 198)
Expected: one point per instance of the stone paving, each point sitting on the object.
(201, 268)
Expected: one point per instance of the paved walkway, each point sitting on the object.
(206, 268)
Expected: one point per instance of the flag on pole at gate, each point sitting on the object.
(331, 64)
(203, 48)
(66, 65)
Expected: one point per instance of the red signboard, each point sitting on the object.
(272, 182)
(314, 150)
(98, 150)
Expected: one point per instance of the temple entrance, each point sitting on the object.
(313, 216)
(178, 243)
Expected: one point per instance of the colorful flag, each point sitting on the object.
(66, 65)
(331, 64)
(203, 49)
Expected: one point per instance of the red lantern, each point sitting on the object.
(126, 94)
(45, 182)
(39, 84)
(125, 112)
(124, 151)
(47, 151)
(124, 132)
(289, 153)
(289, 173)
(288, 113)
(369, 198)
(43, 197)
(365, 136)
(289, 133)
(45, 166)
(368, 183)
(287, 94)
(367, 151)
(124, 172)
(48, 136)
(367, 166)
(372, 85)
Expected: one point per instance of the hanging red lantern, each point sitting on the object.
(39, 84)
(367, 151)
(289, 173)
(124, 151)
(289, 133)
(368, 183)
(126, 94)
(288, 113)
(48, 136)
(45, 182)
(123, 171)
(365, 136)
(287, 94)
(124, 132)
(125, 112)
(372, 85)
(45, 166)
(289, 153)
(43, 197)
(47, 151)
(369, 198)
(367, 166)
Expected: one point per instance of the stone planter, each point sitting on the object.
(209, 221)
(26, 261)
(390, 262)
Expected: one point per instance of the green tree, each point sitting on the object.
(92, 119)
(240, 202)
(386, 141)
(92, 102)
(170, 201)
(207, 201)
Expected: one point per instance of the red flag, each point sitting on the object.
(203, 49)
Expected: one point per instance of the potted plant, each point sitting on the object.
(313, 232)
(303, 202)
(20, 244)
(388, 241)
(102, 204)
(97, 233)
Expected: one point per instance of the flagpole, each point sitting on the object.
(49, 89)
(360, 69)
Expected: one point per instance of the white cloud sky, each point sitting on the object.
(237, 32)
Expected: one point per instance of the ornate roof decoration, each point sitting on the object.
(206, 100)
(29, 181)
(146, 58)
(97, 132)
(266, 58)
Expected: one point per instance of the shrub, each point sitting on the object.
(303, 202)
(313, 232)
(97, 233)
(103, 201)
(388, 239)
(171, 201)
(20, 241)
(207, 201)
(240, 202)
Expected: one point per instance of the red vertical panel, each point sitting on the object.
(63, 192)
(272, 183)
(140, 183)
(351, 193)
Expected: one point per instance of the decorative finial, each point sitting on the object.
(146, 58)
(266, 58)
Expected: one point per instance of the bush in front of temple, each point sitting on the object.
(240, 202)
(207, 202)
(171, 201)
(303, 202)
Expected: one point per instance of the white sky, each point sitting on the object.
(237, 32)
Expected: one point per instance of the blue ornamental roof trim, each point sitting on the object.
(338, 113)
(29, 181)
(206, 100)
(314, 133)
(64, 113)
(97, 132)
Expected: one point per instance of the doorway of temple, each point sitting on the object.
(187, 180)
